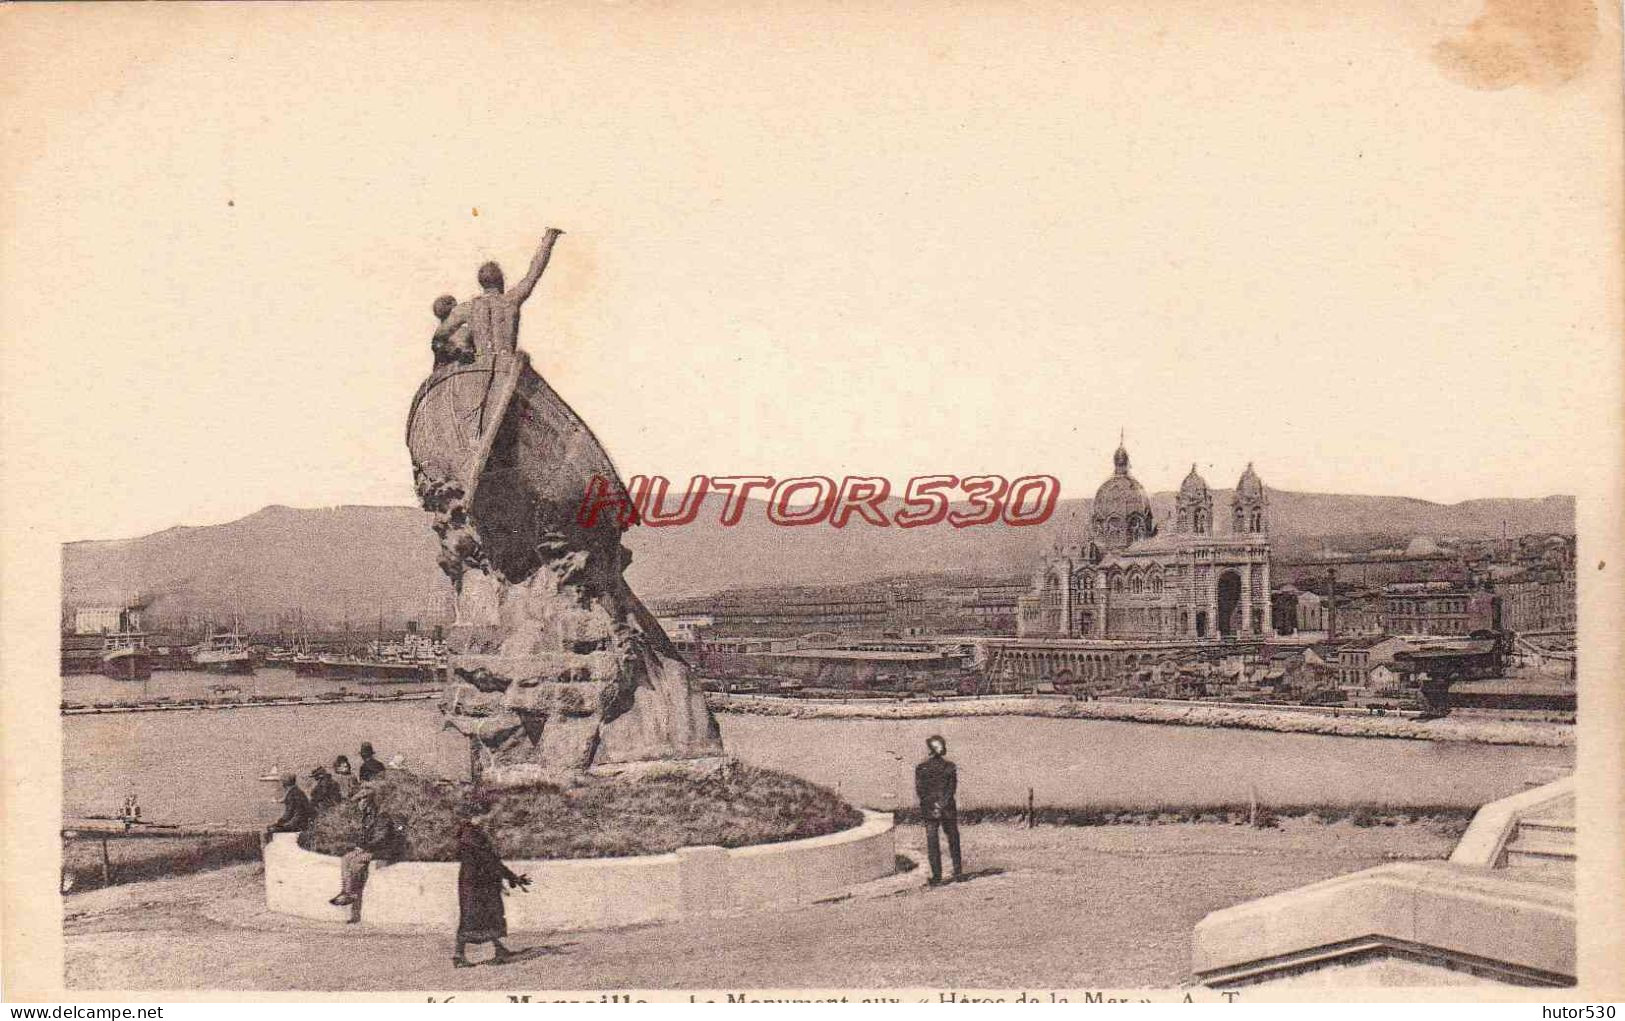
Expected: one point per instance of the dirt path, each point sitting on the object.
(1067, 907)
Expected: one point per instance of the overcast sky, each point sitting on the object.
(979, 240)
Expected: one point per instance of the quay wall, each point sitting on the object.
(819, 671)
(1187, 714)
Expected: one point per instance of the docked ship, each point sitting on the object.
(417, 659)
(301, 659)
(108, 640)
(223, 652)
(125, 656)
(308, 664)
(377, 670)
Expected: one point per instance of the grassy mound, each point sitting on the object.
(733, 806)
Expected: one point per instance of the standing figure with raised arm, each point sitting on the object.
(492, 317)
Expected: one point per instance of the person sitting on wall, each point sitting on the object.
(296, 811)
(344, 777)
(936, 780)
(381, 841)
(324, 790)
(371, 768)
(481, 916)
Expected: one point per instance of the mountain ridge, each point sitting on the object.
(362, 561)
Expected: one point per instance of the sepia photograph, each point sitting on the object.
(1046, 502)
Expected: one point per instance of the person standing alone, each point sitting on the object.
(481, 917)
(935, 782)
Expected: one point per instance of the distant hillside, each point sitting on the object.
(362, 561)
(333, 562)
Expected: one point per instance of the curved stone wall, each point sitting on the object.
(591, 893)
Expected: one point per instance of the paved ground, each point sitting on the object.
(1061, 907)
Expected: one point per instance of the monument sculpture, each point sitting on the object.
(556, 666)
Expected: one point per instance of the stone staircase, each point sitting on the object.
(1543, 842)
(1499, 912)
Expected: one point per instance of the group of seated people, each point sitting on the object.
(326, 789)
(382, 836)
(382, 839)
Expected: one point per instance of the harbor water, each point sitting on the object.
(198, 766)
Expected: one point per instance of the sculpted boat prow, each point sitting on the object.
(556, 665)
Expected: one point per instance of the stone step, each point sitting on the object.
(1548, 826)
(1537, 865)
(1541, 842)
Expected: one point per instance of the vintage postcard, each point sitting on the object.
(1036, 502)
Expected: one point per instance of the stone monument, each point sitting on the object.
(556, 667)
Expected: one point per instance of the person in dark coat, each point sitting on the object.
(935, 782)
(324, 790)
(371, 768)
(481, 917)
(344, 776)
(296, 813)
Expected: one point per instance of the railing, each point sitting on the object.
(105, 830)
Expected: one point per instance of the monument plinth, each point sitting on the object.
(556, 666)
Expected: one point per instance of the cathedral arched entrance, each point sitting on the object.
(1229, 599)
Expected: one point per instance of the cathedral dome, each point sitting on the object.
(1122, 511)
(1121, 495)
(1193, 486)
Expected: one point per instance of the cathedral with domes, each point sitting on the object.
(1134, 578)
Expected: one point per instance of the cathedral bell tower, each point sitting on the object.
(1193, 507)
(1247, 507)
